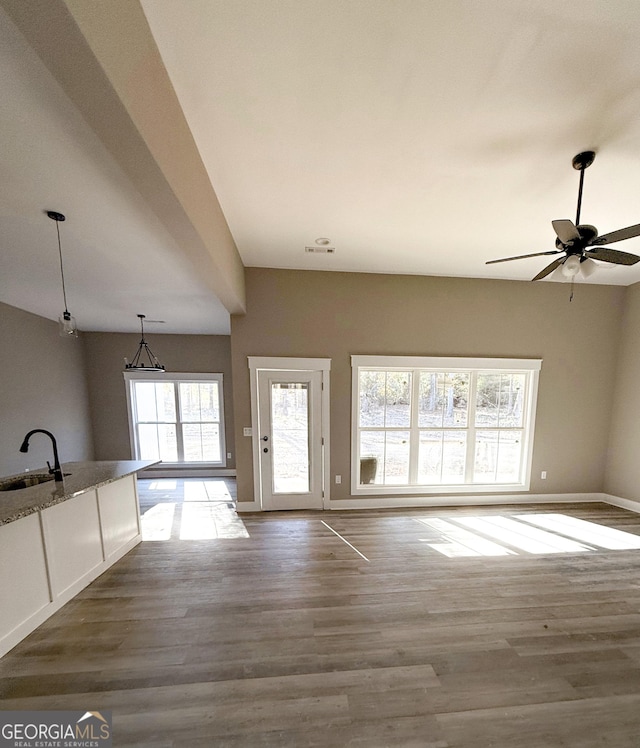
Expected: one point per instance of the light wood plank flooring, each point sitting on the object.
(287, 636)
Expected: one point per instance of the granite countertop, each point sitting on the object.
(82, 476)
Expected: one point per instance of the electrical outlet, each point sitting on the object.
(338, 479)
(228, 455)
(543, 475)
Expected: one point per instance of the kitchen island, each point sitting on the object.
(56, 538)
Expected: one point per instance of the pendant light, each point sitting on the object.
(68, 327)
(138, 363)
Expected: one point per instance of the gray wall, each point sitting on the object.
(334, 315)
(623, 465)
(42, 385)
(181, 353)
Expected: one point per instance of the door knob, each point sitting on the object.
(265, 438)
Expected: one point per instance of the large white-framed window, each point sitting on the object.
(176, 418)
(442, 424)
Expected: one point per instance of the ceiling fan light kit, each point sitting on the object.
(579, 243)
(571, 266)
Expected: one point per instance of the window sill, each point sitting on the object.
(438, 490)
(190, 465)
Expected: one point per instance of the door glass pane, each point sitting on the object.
(290, 437)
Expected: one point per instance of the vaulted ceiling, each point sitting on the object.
(186, 140)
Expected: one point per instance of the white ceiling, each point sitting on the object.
(420, 137)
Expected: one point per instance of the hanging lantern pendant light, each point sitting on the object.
(138, 362)
(68, 327)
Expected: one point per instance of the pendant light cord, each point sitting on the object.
(64, 293)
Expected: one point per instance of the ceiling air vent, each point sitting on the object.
(320, 250)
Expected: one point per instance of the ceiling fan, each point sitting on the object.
(579, 243)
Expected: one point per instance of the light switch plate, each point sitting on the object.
(247, 431)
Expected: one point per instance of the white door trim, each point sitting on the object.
(323, 365)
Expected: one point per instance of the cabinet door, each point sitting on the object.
(24, 589)
(73, 542)
(119, 513)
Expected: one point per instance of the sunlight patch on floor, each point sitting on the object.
(157, 522)
(589, 532)
(206, 490)
(202, 521)
(163, 485)
(498, 535)
(194, 520)
(461, 542)
(523, 537)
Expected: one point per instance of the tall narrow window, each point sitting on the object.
(451, 425)
(178, 419)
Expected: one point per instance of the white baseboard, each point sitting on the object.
(630, 504)
(407, 502)
(248, 506)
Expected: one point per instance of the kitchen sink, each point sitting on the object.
(25, 481)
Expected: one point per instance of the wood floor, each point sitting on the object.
(293, 637)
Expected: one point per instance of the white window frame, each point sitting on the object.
(175, 378)
(529, 367)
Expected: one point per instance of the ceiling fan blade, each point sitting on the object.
(565, 230)
(617, 236)
(612, 255)
(522, 257)
(549, 269)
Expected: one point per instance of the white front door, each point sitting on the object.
(288, 438)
